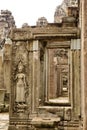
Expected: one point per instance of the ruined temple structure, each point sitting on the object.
(6, 24)
(43, 69)
(64, 11)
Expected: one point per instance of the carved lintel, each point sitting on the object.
(21, 34)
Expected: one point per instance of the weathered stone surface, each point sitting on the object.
(42, 71)
(4, 121)
(48, 31)
(41, 55)
(6, 23)
(63, 10)
(42, 21)
(84, 61)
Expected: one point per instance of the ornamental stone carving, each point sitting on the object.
(20, 75)
(20, 84)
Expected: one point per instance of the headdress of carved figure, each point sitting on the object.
(61, 53)
(20, 66)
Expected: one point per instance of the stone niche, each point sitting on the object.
(45, 78)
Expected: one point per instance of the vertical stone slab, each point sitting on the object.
(35, 75)
(7, 64)
(19, 97)
(1, 69)
(2, 88)
(76, 87)
(84, 61)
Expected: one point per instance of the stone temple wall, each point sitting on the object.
(41, 68)
(45, 72)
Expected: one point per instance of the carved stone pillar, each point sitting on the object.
(76, 73)
(35, 75)
(19, 97)
(25, 81)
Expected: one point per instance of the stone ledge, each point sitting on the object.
(44, 122)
